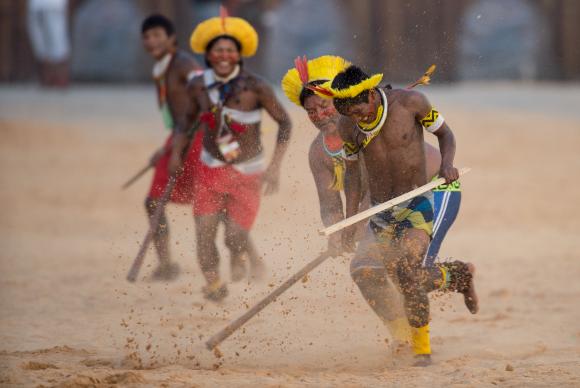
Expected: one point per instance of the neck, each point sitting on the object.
(162, 64)
(377, 104)
(229, 77)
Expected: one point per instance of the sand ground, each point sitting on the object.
(68, 235)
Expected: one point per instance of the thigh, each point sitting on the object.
(447, 204)
(233, 230)
(208, 198)
(243, 200)
(413, 244)
(374, 252)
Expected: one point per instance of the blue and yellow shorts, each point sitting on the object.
(416, 213)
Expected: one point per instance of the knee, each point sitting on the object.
(367, 278)
(236, 242)
(150, 205)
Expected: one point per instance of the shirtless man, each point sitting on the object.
(386, 127)
(229, 100)
(172, 71)
(326, 155)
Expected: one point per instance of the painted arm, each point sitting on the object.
(183, 111)
(352, 184)
(433, 122)
(331, 207)
(270, 103)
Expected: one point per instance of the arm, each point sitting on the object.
(274, 108)
(433, 122)
(330, 201)
(331, 210)
(183, 111)
(352, 183)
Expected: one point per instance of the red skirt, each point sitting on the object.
(183, 190)
(224, 189)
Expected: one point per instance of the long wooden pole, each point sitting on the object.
(136, 176)
(218, 338)
(227, 331)
(154, 224)
(386, 205)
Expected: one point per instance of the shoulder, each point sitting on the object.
(196, 83)
(185, 64)
(254, 81)
(315, 151)
(411, 99)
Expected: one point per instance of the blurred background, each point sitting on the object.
(467, 39)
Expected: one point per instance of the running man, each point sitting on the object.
(386, 127)
(172, 71)
(229, 100)
(326, 154)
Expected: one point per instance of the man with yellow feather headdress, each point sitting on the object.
(386, 127)
(229, 100)
(326, 154)
(326, 157)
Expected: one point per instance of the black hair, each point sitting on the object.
(157, 20)
(352, 75)
(307, 92)
(214, 40)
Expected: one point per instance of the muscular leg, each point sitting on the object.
(166, 269)
(413, 278)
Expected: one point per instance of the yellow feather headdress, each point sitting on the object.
(237, 28)
(326, 90)
(323, 68)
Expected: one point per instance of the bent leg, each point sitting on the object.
(412, 278)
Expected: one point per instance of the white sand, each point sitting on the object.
(68, 235)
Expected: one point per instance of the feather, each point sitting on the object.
(301, 65)
(425, 78)
(320, 90)
(223, 15)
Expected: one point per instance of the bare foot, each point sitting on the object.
(215, 292)
(238, 269)
(469, 294)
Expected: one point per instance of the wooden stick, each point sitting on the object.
(153, 226)
(218, 338)
(386, 205)
(136, 176)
